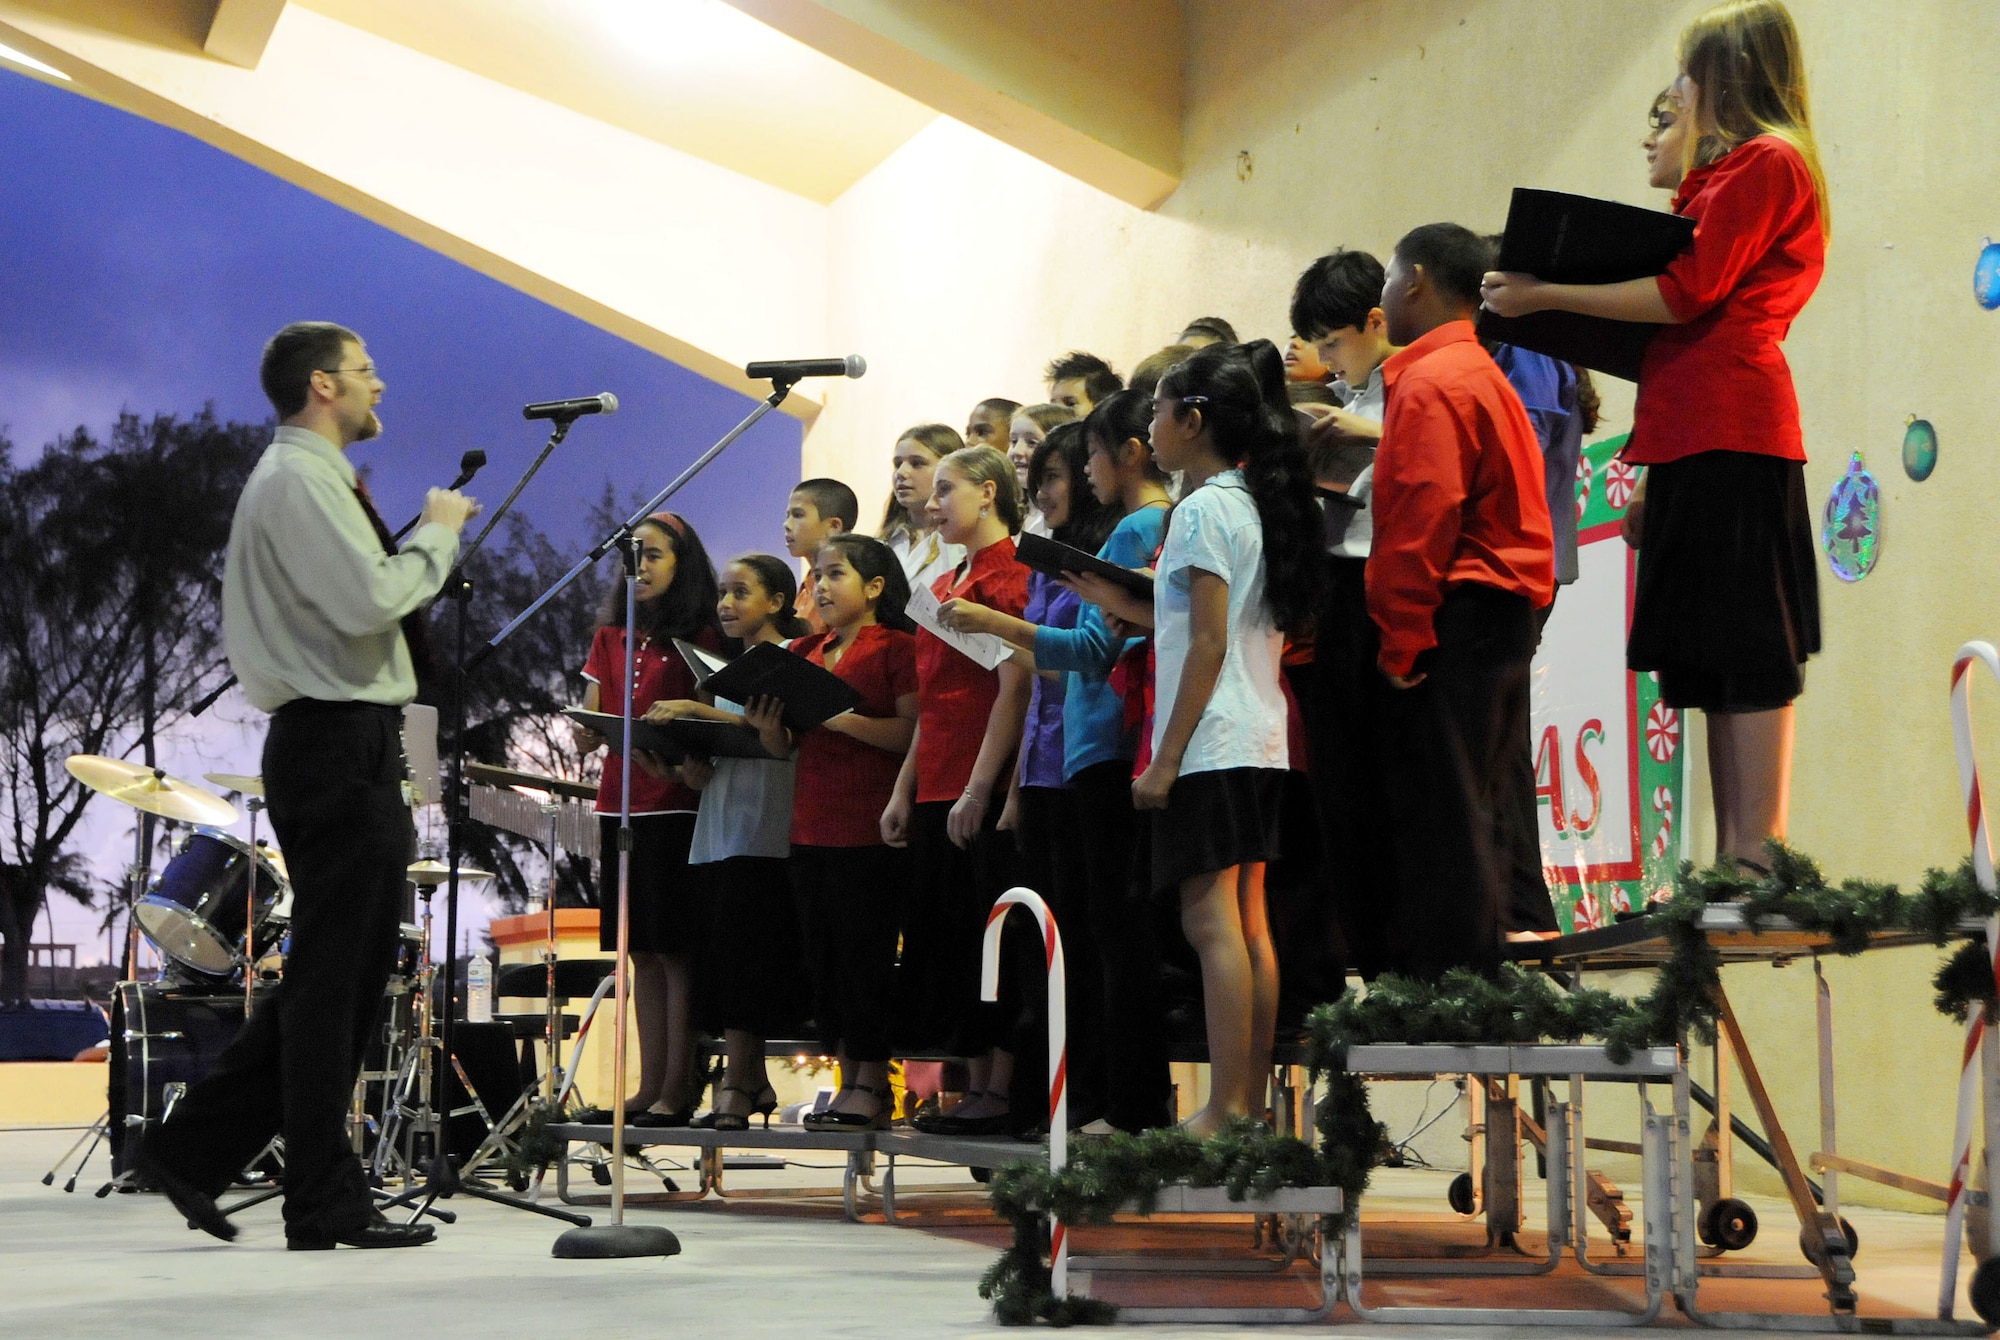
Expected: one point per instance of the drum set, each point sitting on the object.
(219, 915)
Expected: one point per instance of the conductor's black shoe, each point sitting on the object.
(196, 1206)
(377, 1233)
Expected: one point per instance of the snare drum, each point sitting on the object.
(197, 909)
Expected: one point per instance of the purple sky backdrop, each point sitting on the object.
(144, 271)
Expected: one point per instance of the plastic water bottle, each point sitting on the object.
(479, 990)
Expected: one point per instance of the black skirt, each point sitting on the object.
(1216, 820)
(1726, 606)
(753, 971)
(666, 906)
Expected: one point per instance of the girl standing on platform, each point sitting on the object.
(949, 794)
(676, 599)
(741, 841)
(1118, 1060)
(848, 883)
(907, 526)
(1726, 603)
(1237, 573)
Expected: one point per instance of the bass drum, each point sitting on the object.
(196, 911)
(161, 1035)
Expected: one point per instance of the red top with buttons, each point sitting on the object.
(1719, 382)
(662, 675)
(844, 785)
(954, 694)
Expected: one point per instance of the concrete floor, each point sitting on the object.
(75, 1266)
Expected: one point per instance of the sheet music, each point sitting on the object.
(984, 648)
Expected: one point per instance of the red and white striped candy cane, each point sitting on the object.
(989, 989)
(1975, 1019)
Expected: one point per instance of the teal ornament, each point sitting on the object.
(1919, 449)
(1986, 276)
(1851, 531)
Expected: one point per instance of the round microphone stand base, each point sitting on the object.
(603, 1242)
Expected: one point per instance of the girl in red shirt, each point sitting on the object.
(948, 796)
(847, 882)
(676, 598)
(1726, 605)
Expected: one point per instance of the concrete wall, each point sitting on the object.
(960, 266)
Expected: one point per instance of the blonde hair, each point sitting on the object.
(984, 465)
(1749, 73)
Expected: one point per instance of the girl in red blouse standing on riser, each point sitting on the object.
(1726, 608)
(676, 598)
(949, 796)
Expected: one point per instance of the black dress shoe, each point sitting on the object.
(196, 1206)
(377, 1233)
(601, 1116)
(650, 1120)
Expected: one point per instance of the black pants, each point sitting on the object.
(1123, 919)
(1051, 842)
(950, 891)
(332, 778)
(849, 899)
(1449, 782)
(1346, 717)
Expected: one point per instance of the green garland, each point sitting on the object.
(1513, 1006)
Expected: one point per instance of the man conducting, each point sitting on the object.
(315, 600)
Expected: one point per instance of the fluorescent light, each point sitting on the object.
(23, 58)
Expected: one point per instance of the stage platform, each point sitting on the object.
(74, 1266)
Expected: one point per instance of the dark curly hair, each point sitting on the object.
(688, 604)
(1250, 420)
(871, 558)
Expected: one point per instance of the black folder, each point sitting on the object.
(1574, 239)
(674, 740)
(809, 692)
(1055, 558)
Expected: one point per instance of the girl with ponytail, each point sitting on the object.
(1240, 569)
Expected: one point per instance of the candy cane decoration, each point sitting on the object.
(1975, 1018)
(1663, 805)
(989, 989)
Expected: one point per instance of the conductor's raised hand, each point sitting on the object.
(1509, 293)
(449, 507)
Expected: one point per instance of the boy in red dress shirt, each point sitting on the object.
(1463, 557)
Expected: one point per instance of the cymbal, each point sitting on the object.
(151, 790)
(437, 872)
(236, 781)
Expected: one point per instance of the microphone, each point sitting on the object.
(790, 370)
(603, 403)
(469, 465)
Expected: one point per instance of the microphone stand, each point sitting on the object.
(441, 1177)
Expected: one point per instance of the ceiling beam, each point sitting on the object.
(241, 29)
(1094, 90)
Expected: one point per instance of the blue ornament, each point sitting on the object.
(1920, 448)
(1851, 528)
(1986, 276)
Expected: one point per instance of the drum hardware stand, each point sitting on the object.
(442, 1178)
(255, 804)
(500, 1138)
(97, 1131)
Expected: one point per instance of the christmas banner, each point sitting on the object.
(1607, 751)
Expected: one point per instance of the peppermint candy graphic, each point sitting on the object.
(1589, 912)
(1620, 482)
(1663, 732)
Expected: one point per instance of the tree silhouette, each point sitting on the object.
(110, 626)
